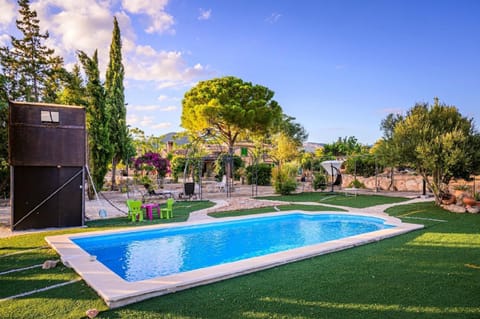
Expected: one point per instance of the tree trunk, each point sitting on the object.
(114, 173)
(391, 179)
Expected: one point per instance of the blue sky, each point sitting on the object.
(338, 67)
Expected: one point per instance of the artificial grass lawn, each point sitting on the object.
(359, 201)
(430, 273)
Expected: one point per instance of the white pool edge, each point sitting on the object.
(116, 292)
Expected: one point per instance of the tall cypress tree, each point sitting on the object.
(115, 101)
(29, 64)
(99, 149)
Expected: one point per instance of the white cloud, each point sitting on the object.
(160, 21)
(4, 40)
(162, 98)
(273, 18)
(393, 110)
(170, 108)
(162, 125)
(153, 108)
(205, 14)
(167, 68)
(8, 12)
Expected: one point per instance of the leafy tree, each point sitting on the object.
(363, 165)
(221, 163)
(385, 149)
(29, 64)
(229, 108)
(295, 131)
(115, 102)
(284, 149)
(73, 92)
(100, 150)
(435, 141)
(144, 144)
(261, 173)
(286, 140)
(343, 147)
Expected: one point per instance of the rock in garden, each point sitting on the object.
(92, 313)
(50, 264)
(455, 208)
(473, 209)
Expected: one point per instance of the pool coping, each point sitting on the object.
(116, 292)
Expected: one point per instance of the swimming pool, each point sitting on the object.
(154, 253)
(133, 265)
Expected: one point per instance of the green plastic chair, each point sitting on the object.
(167, 212)
(135, 210)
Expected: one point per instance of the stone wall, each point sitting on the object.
(402, 182)
(407, 182)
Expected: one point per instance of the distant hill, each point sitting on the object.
(310, 147)
(172, 136)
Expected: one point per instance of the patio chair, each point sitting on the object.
(220, 186)
(135, 210)
(167, 212)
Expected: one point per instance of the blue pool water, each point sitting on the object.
(141, 255)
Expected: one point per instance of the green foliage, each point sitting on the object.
(178, 166)
(73, 92)
(31, 69)
(436, 141)
(319, 181)
(229, 107)
(115, 103)
(284, 179)
(261, 172)
(343, 147)
(356, 184)
(222, 162)
(98, 119)
(293, 130)
(284, 149)
(362, 166)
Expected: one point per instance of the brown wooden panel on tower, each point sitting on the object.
(46, 134)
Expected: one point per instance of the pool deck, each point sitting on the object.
(117, 292)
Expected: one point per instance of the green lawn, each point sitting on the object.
(359, 201)
(430, 273)
(262, 210)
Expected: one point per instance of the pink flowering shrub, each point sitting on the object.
(153, 162)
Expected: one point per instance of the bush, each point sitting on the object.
(222, 162)
(356, 184)
(361, 165)
(284, 179)
(319, 181)
(264, 174)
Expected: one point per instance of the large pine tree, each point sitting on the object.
(115, 102)
(99, 148)
(29, 64)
